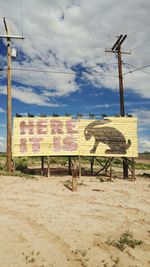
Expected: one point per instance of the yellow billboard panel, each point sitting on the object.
(58, 136)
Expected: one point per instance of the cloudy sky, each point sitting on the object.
(62, 67)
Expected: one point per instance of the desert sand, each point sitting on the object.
(42, 223)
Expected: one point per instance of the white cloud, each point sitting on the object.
(144, 145)
(2, 147)
(65, 33)
(143, 117)
(143, 128)
(2, 144)
(2, 110)
(28, 96)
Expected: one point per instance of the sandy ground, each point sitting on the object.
(42, 223)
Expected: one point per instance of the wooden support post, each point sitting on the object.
(8, 37)
(117, 49)
(125, 168)
(92, 164)
(13, 165)
(80, 167)
(74, 177)
(111, 169)
(69, 165)
(42, 165)
(106, 167)
(9, 110)
(133, 170)
(48, 167)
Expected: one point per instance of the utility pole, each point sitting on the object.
(117, 50)
(8, 37)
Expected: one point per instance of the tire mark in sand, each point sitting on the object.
(44, 233)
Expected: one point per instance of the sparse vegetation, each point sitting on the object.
(114, 262)
(31, 258)
(80, 255)
(68, 182)
(103, 179)
(126, 239)
(32, 165)
(2, 167)
(21, 164)
(146, 175)
(19, 174)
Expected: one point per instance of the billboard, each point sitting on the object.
(58, 136)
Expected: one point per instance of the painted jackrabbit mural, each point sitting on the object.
(106, 135)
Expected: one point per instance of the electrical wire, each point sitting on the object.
(135, 47)
(137, 69)
(130, 71)
(60, 72)
(139, 30)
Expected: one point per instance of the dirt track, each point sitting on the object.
(44, 224)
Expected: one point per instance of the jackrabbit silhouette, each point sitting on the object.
(106, 135)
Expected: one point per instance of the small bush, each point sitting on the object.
(21, 164)
(2, 167)
(126, 239)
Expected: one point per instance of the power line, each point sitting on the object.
(130, 71)
(138, 30)
(60, 72)
(137, 69)
(140, 44)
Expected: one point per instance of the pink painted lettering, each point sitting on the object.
(56, 144)
(41, 127)
(27, 127)
(35, 144)
(23, 145)
(70, 143)
(56, 127)
(71, 127)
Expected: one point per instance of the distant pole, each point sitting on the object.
(9, 109)
(9, 104)
(122, 112)
(8, 37)
(117, 49)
